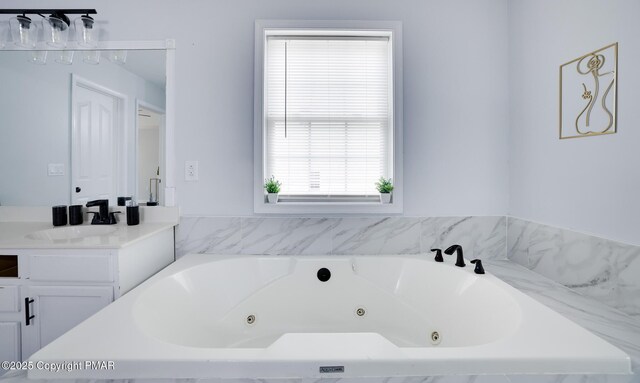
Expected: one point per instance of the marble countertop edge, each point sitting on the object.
(612, 325)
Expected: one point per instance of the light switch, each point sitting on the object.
(55, 169)
(191, 170)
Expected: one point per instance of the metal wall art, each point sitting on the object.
(588, 94)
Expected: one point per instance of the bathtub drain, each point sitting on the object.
(251, 319)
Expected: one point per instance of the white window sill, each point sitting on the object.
(328, 208)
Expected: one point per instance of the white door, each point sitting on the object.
(57, 309)
(93, 146)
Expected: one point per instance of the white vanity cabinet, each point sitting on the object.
(10, 308)
(59, 288)
(62, 288)
(54, 310)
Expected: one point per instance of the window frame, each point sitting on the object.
(261, 206)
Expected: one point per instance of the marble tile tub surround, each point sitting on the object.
(617, 328)
(481, 237)
(599, 268)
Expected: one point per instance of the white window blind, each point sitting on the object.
(328, 115)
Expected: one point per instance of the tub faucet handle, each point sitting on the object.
(478, 269)
(438, 255)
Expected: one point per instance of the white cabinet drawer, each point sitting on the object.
(9, 299)
(72, 268)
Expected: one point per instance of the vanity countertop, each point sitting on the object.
(18, 235)
(31, 228)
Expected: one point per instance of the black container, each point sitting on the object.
(59, 215)
(75, 215)
(133, 215)
(122, 201)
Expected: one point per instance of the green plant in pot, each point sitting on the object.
(272, 186)
(385, 187)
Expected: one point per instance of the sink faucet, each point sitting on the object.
(458, 250)
(102, 217)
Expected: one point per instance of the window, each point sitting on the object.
(327, 104)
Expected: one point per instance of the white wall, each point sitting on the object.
(35, 104)
(455, 92)
(586, 184)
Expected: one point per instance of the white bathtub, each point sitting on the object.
(378, 316)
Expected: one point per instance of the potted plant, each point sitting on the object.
(272, 186)
(385, 187)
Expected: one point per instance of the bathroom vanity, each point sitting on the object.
(51, 279)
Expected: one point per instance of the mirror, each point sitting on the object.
(83, 125)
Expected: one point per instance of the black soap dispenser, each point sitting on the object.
(133, 212)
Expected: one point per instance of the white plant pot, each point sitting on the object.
(385, 197)
(273, 197)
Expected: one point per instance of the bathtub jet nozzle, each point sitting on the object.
(458, 250)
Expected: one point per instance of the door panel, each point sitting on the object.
(57, 310)
(93, 149)
(10, 344)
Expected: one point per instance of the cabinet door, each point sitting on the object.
(10, 344)
(56, 310)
